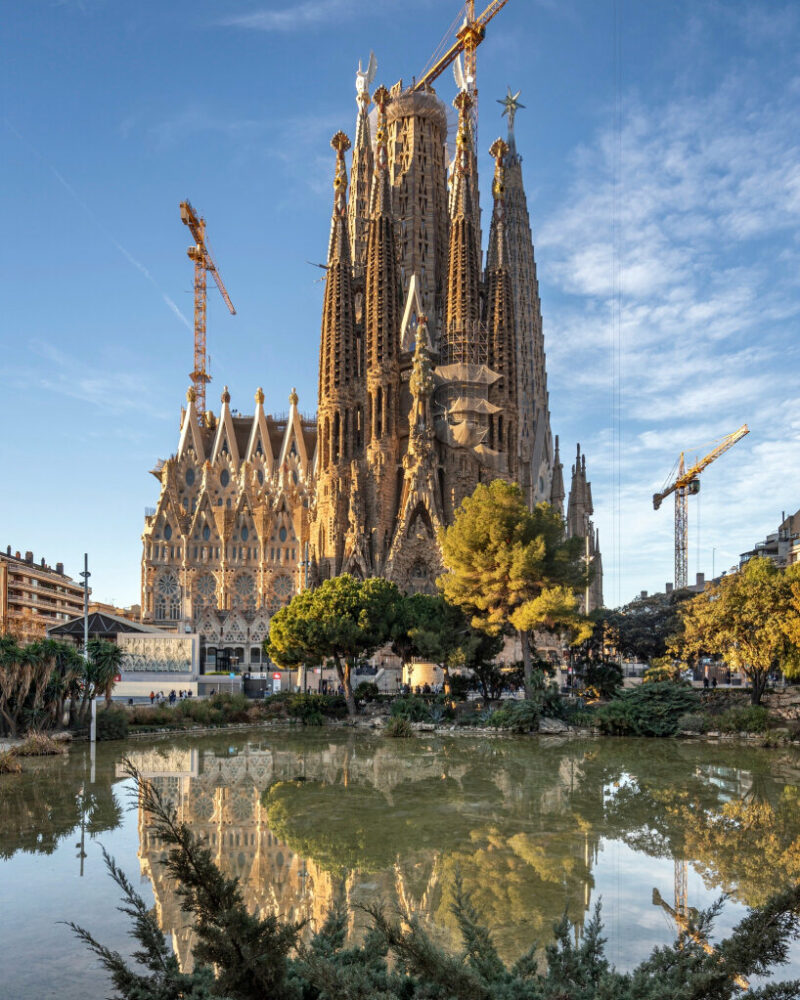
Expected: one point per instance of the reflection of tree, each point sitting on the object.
(748, 847)
(45, 804)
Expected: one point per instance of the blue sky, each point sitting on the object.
(662, 163)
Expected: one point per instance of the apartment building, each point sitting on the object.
(35, 596)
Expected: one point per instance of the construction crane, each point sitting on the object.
(686, 483)
(203, 264)
(468, 37)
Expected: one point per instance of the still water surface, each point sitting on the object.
(535, 828)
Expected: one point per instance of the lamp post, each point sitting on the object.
(85, 575)
(305, 564)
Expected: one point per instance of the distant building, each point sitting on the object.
(34, 596)
(154, 658)
(781, 546)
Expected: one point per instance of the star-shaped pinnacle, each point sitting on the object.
(511, 105)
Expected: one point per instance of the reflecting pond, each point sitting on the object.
(536, 829)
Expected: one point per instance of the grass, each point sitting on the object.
(39, 744)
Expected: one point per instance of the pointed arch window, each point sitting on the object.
(224, 477)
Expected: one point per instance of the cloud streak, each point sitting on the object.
(676, 259)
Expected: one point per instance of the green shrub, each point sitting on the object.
(112, 724)
(693, 722)
(745, 719)
(412, 707)
(312, 709)
(648, 710)
(399, 728)
(366, 691)
(460, 686)
(518, 716)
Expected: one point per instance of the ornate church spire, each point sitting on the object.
(502, 358)
(382, 293)
(557, 485)
(362, 168)
(535, 437)
(459, 337)
(337, 371)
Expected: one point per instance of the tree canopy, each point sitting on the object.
(342, 620)
(511, 567)
(751, 620)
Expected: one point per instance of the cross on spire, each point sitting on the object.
(511, 105)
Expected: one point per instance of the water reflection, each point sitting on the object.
(304, 820)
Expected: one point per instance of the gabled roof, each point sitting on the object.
(100, 624)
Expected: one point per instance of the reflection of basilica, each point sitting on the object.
(409, 820)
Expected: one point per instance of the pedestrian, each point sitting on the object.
(714, 683)
(705, 682)
(152, 697)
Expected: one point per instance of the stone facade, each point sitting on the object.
(224, 547)
(432, 379)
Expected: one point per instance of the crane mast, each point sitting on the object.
(687, 483)
(468, 37)
(203, 262)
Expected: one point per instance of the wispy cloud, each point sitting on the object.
(108, 389)
(684, 224)
(292, 17)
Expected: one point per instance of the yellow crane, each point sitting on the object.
(468, 37)
(687, 482)
(200, 255)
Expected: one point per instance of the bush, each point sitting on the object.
(112, 724)
(649, 710)
(693, 722)
(604, 679)
(746, 719)
(399, 728)
(312, 709)
(366, 691)
(518, 716)
(460, 686)
(412, 707)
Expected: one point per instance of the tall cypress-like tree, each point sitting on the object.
(513, 568)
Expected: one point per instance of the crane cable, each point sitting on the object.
(616, 316)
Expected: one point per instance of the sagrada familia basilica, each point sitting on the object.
(432, 379)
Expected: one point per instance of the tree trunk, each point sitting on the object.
(343, 670)
(525, 640)
(758, 682)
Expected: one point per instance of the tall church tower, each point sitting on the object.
(535, 437)
(382, 318)
(340, 416)
(580, 509)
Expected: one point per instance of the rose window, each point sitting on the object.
(205, 592)
(245, 592)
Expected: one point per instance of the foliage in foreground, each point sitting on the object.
(254, 958)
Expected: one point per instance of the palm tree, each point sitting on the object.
(103, 665)
(24, 673)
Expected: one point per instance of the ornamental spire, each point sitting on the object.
(503, 426)
(362, 167)
(337, 346)
(381, 187)
(459, 339)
